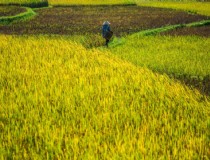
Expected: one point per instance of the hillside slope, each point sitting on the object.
(59, 100)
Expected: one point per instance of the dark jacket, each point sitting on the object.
(105, 29)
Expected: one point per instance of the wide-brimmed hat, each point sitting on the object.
(107, 22)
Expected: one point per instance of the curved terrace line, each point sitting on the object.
(22, 16)
(120, 41)
(30, 12)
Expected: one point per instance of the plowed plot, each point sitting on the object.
(203, 31)
(88, 19)
(10, 10)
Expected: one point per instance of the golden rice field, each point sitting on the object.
(202, 8)
(59, 100)
(62, 100)
(69, 2)
(92, 2)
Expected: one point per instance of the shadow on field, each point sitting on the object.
(44, 3)
(200, 83)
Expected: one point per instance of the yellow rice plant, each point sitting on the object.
(59, 100)
(194, 7)
(89, 2)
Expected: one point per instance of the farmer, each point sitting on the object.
(106, 32)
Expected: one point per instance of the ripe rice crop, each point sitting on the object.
(59, 100)
(193, 7)
(183, 57)
(89, 2)
(66, 2)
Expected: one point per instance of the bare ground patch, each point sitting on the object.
(203, 31)
(88, 19)
(11, 10)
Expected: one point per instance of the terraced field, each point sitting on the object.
(82, 20)
(63, 95)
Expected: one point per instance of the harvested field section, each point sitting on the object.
(203, 31)
(10, 10)
(88, 19)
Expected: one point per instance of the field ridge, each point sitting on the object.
(6, 20)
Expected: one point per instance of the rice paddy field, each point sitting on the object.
(78, 20)
(64, 95)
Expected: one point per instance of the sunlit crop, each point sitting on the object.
(193, 7)
(60, 100)
(181, 55)
(69, 97)
(69, 2)
(92, 2)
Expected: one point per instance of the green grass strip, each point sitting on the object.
(157, 30)
(22, 16)
(120, 41)
(167, 28)
(198, 24)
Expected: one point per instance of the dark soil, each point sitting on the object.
(89, 19)
(11, 10)
(203, 31)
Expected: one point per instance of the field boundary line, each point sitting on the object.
(198, 24)
(167, 28)
(120, 41)
(6, 20)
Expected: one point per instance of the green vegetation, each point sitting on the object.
(40, 3)
(89, 2)
(187, 55)
(182, 57)
(60, 100)
(63, 98)
(27, 3)
(19, 17)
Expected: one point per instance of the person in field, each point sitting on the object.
(106, 32)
